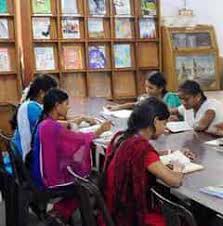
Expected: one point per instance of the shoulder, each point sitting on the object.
(33, 105)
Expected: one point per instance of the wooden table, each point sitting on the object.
(208, 156)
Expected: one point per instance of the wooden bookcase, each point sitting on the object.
(89, 78)
(9, 54)
(191, 53)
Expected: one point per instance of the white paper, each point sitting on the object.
(44, 58)
(117, 114)
(4, 29)
(41, 28)
(4, 59)
(216, 142)
(69, 6)
(176, 127)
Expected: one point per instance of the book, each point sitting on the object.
(216, 191)
(122, 54)
(176, 127)
(117, 114)
(217, 143)
(4, 29)
(182, 159)
(41, 6)
(41, 28)
(97, 57)
(44, 57)
(96, 28)
(123, 28)
(69, 7)
(70, 28)
(3, 6)
(149, 7)
(97, 7)
(4, 60)
(122, 7)
(147, 28)
(72, 57)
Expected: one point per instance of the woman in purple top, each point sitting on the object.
(56, 147)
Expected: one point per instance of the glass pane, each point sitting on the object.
(200, 68)
(191, 40)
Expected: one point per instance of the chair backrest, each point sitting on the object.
(175, 213)
(87, 189)
(6, 112)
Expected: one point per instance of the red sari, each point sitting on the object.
(127, 183)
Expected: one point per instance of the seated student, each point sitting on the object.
(55, 147)
(132, 165)
(29, 112)
(155, 85)
(201, 113)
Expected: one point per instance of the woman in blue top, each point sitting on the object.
(155, 85)
(29, 113)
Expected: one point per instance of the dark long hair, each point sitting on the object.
(53, 97)
(50, 100)
(42, 82)
(190, 87)
(142, 117)
(157, 79)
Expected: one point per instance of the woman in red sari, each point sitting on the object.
(132, 165)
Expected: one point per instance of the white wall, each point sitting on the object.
(206, 12)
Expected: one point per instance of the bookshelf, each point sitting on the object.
(96, 48)
(191, 53)
(9, 53)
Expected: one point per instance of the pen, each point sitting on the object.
(107, 120)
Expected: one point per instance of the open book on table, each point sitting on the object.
(177, 155)
(118, 114)
(176, 127)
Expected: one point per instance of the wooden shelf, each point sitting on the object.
(10, 79)
(145, 54)
(193, 57)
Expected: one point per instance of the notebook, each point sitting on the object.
(177, 127)
(117, 114)
(216, 191)
(177, 155)
(217, 142)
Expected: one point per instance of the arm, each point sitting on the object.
(121, 106)
(171, 178)
(205, 121)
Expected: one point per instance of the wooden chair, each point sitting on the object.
(7, 110)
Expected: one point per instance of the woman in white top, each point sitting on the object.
(201, 113)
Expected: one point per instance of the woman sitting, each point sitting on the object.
(155, 85)
(201, 113)
(29, 113)
(132, 166)
(55, 147)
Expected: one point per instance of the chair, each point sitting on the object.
(6, 112)
(86, 190)
(21, 193)
(175, 214)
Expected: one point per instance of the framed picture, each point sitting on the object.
(191, 40)
(201, 68)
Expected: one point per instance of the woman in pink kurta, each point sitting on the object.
(55, 148)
